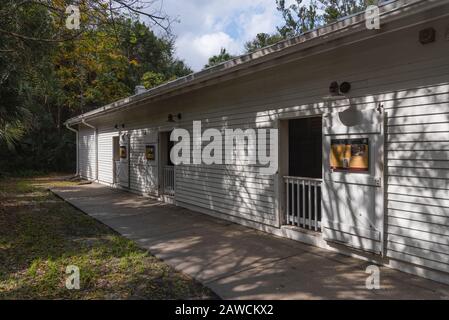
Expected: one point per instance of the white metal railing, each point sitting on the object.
(303, 202)
(168, 186)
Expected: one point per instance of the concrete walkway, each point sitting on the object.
(237, 262)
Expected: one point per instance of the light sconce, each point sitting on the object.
(345, 87)
(171, 117)
(333, 88)
(336, 90)
(427, 36)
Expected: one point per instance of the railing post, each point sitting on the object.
(315, 215)
(287, 206)
(296, 222)
(303, 203)
(309, 221)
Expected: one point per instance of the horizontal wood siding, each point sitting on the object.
(418, 184)
(238, 190)
(409, 80)
(105, 156)
(87, 152)
(143, 174)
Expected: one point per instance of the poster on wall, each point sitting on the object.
(123, 154)
(150, 152)
(350, 155)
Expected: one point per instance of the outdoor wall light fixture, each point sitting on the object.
(116, 126)
(335, 89)
(427, 35)
(123, 125)
(171, 117)
(345, 87)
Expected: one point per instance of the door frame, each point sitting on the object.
(377, 168)
(128, 157)
(162, 146)
(282, 124)
(115, 158)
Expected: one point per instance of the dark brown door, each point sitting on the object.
(305, 147)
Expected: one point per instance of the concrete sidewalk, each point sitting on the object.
(237, 262)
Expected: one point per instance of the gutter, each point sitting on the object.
(83, 121)
(77, 147)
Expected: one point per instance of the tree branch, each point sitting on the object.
(24, 37)
(95, 15)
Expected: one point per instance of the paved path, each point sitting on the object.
(238, 262)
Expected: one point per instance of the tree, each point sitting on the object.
(152, 79)
(220, 58)
(148, 53)
(303, 15)
(299, 17)
(20, 65)
(93, 14)
(262, 40)
(48, 74)
(29, 32)
(337, 9)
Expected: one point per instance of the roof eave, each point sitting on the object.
(345, 27)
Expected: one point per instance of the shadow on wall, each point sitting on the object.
(417, 176)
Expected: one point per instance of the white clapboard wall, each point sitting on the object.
(143, 173)
(105, 156)
(409, 80)
(87, 152)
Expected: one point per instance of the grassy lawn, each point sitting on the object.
(40, 235)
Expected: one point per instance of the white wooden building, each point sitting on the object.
(395, 213)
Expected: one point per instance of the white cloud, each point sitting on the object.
(208, 25)
(196, 49)
(257, 23)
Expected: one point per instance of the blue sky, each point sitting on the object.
(207, 25)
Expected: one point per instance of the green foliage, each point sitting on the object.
(148, 53)
(40, 235)
(262, 40)
(299, 17)
(220, 58)
(152, 79)
(337, 9)
(303, 16)
(44, 81)
(11, 132)
(19, 61)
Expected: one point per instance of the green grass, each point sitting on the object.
(40, 235)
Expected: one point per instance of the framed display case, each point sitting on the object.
(150, 152)
(350, 155)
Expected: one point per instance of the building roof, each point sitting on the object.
(389, 11)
